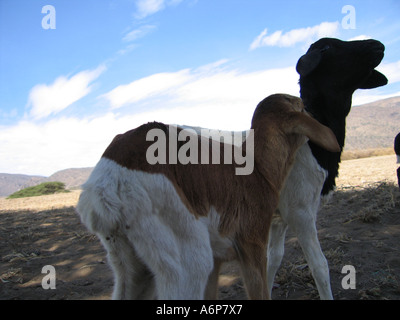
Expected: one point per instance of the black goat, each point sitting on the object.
(397, 151)
(330, 72)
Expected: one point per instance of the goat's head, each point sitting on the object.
(330, 72)
(335, 69)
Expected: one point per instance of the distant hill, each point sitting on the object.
(369, 126)
(9, 183)
(373, 125)
(73, 178)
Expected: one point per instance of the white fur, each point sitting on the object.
(129, 210)
(299, 203)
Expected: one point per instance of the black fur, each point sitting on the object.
(397, 151)
(397, 144)
(330, 72)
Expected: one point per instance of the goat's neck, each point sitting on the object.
(274, 167)
(319, 106)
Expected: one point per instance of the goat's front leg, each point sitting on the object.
(253, 262)
(308, 238)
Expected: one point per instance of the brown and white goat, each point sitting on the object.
(164, 224)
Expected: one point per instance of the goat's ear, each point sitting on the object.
(316, 132)
(376, 79)
(308, 62)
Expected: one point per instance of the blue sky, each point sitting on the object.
(109, 66)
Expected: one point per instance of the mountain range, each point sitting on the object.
(369, 126)
(373, 125)
(73, 178)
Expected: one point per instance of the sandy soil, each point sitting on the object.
(359, 227)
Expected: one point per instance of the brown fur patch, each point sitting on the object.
(199, 185)
(246, 202)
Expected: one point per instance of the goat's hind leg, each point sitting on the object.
(211, 292)
(276, 249)
(132, 279)
(179, 256)
(253, 262)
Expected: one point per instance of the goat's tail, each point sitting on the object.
(99, 205)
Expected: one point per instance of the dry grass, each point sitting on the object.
(366, 153)
(364, 172)
(40, 203)
(376, 199)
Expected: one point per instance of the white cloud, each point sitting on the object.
(292, 37)
(362, 97)
(360, 37)
(211, 96)
(45, 100)
(127, 49)
(145, 88)
(42, 149)
(391, 71)
(146, 8)
(208, 84)
(138, 33)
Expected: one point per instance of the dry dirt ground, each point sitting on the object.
(359, 227)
